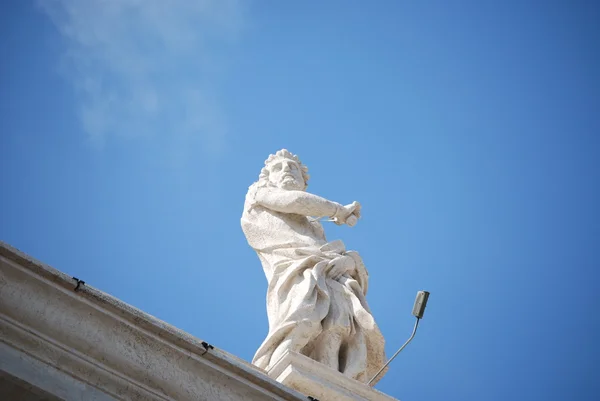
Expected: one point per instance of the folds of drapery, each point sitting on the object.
(309, 311)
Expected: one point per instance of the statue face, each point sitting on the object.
(286, 174)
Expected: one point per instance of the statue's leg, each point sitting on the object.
(327, 348)
(353, 356)
(337, 327)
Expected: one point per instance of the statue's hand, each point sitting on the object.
(348, 214)
(339, 266)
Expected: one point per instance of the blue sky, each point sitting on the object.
(130, 132)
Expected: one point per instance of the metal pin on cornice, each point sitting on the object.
(79, 283)
(206, 346)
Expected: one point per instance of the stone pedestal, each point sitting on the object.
(321, 382)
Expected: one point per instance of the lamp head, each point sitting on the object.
(420, 304)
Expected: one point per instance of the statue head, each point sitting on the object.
(284, 170)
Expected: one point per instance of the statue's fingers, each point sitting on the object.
(352, 220)
(330, 268)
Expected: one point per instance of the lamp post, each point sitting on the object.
(418, 311)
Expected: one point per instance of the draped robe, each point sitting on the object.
(310, 313)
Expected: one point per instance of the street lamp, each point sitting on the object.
(418, 311)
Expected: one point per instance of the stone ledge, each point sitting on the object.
(321, 382)
(107, 345)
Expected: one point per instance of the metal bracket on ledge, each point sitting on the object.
(79, 283)
(206, 346)
(312, 398)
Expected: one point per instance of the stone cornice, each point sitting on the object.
(114, 347)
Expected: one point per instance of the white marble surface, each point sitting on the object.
(316, 296)
(318, 381)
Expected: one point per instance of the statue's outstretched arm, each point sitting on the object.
(297, 202)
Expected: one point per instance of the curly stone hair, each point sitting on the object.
(263, 178)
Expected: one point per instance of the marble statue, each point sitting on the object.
(316, 289)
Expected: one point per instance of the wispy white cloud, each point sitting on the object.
(145, 68)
